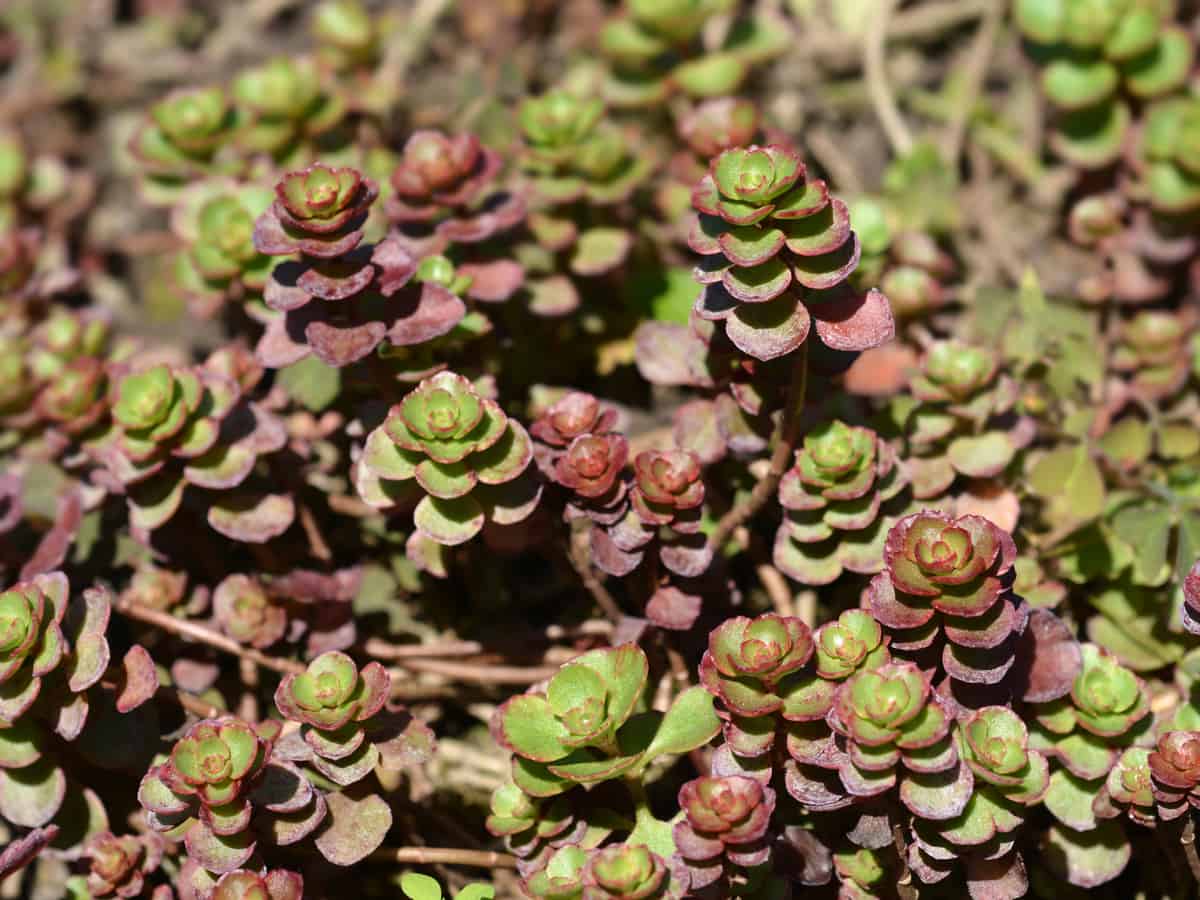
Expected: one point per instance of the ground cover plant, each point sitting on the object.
(600, 450)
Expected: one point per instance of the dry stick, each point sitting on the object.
(875, 74)
(477, 673)
(978, 57)
(580, 556)
(205, 635)
(483, 859)
(381, 649)
(786, 435)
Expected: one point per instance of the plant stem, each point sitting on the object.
(205, 635)
(483, 859)
(787, 433)
(580, 556)
(975, 70)
(1188, 840)
(878, 87)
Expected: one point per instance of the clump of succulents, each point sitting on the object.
(835, 496)
(579, 167)
(444, 188)
(465, 455)
(202, 791)
(1100, 56)
(280, 105)
(909, 266)
(587, 726)
(177, 426)
(956, 421)
(247, 613)
(183, 136)
(341, 299)
(215, 218)
(332, 699)
(656, 49)
(665, 506)
(778, 250)
(945, 595)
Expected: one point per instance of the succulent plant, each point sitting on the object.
(724, 819)
(174, 427)
(347, 36)
(584, 728)
(332, 699)
(625, 872)
(202, 791)
(665, 500)
(1128, 788)
(449, 182)
(952, 428)
(577, 166)
(247, 613)
(1101, 55)
(465, 454)
(343, 298)
(181, 137)
(216, 220)
(946, 585)
(777, 251)
(852, 641)
(32, 643)
(654, 50)
(118, 866)
(281, 103)
(1152, 347)
(1174, 773)
(278, 884)
(834, 496)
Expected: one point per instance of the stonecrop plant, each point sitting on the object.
(639, 450)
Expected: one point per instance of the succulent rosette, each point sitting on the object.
(118, 866)
(247, 613)
(627, 872)
(852, 641)
(666, 497)
(1166, 159)
(953, 429)
(182, 136)
(575, 414)
(778, 249)
(1128, 788)
(834, 498)
(947, 583)
(450, 183)
(277, 884)
(576, 166)
(463, 452)
(1153, 349)
(281, 103)
(725, 818)
(342, 298)
(333, 699)
(32, 643)
(1175, 773)
(890, 728)
(347, 36)
(756, 668)
(1085, 733)
(654, 50)
(583, 729)
(173, 427)
(202, 792)
(215, 218)
(1098, 57)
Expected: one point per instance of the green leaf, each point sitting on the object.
(1071, 484)
(311, 383)
(1146, 527)
(420, 887)
(691, 722)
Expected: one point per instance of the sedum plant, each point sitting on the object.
(777, 251)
